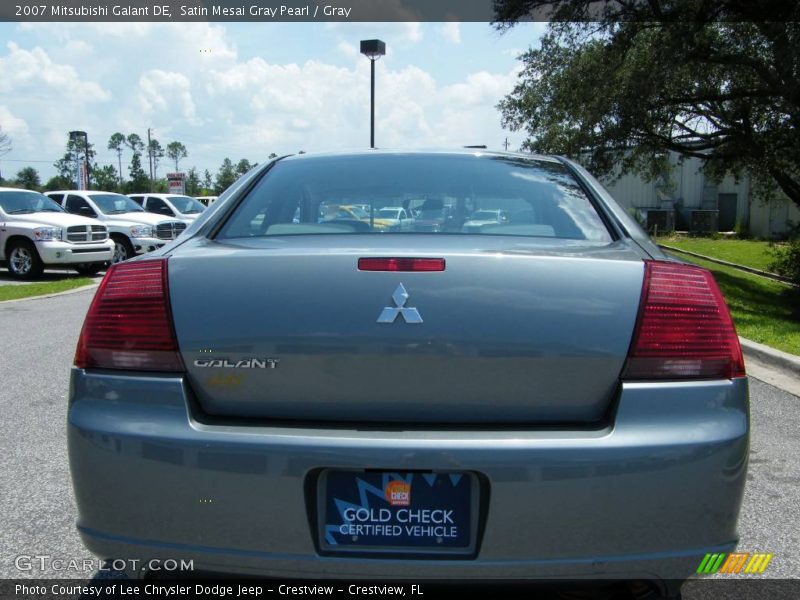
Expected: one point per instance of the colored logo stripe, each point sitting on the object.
(758, 564)
(711, 563)
(734, 563)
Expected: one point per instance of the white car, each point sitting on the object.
(36, 232)
(176, 206)
(481, 218)
(393, 218)
(133, 230)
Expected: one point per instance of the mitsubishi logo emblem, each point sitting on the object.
(409, 313)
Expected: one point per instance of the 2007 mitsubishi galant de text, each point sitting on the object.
(284, 393)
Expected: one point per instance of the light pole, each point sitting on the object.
(74, 135)
(373, 50)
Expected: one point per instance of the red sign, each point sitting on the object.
(176, 183)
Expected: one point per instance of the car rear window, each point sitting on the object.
(441, 194)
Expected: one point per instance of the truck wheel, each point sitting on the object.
(123, 249)
(23, 260)
(89, 268)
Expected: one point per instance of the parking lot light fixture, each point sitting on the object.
(373, 50)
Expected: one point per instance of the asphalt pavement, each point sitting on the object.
(38, 509)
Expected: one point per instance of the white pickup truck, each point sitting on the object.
(171, 205)
(133, 230)
(35, 232)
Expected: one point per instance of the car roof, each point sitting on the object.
(477, 152)
(12, 189)
(87, 192)
(157, 194)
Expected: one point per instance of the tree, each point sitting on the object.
(225, 176)
(175, 152)
(67, 166)
(620, 88)
(28, 177)
(155, 151)
(207, 183)
(135, 143)
(58, 183)
(115, 143)
(106, 178)
(139, 181)
(243, 166)
(193, 182)
(5, 143)
(272, 155)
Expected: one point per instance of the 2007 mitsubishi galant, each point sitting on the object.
(289, 391)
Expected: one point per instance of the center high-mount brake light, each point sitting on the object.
(401, 264)
(129, 324)
(684, 329)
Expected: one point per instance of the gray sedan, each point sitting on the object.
(547, 397)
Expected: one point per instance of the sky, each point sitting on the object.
(244, 90)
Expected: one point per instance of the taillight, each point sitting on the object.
(401, 264)
(129, 324)
(684, 329)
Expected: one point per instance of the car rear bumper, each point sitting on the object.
(645, 497)
(64, 253)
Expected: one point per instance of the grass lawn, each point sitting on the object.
(13, 292)
(763, 310)
(750, 253)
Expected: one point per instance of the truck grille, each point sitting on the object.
(81, 234)
(169, 231)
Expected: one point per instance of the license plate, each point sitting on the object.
(390, 511)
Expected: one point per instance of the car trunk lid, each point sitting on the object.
(291, 329)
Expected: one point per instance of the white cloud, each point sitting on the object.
(405, 31)
(164, 92)
(64, 31)
(480, 89)
(78, 48)
(319, 106)
(413, 31)
(347, 49)
(22, 70)
(514, 52)
(452, 32)
(221, 104)
(12, 126)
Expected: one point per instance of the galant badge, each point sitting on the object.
(409, 313)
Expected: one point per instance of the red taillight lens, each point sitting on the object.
(684, 329)
(129, 324)
(401, 264)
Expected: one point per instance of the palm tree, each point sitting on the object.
(115, 143)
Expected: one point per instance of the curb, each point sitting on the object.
(789, 363)
(83, 288)
(725, 263)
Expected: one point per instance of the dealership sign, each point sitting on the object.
(81, 175)
(177, 183)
